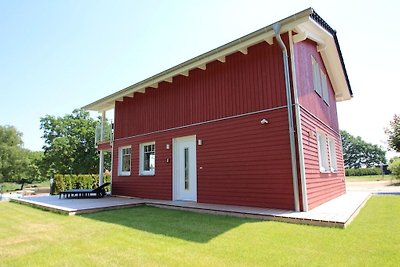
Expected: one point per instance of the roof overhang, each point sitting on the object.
(307, 24)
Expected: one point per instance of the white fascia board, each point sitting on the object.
(219, 53)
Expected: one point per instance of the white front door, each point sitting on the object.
(184, 168)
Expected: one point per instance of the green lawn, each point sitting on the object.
(370, 178)
(147, 236)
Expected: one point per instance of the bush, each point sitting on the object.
(59, 183)
(394, 167)
(76, 181)
(363, 171)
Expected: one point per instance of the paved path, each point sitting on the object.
(375, 187)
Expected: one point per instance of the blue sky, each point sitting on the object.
(56, 56)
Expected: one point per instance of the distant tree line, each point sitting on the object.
(357, 153)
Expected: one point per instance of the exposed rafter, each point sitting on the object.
(243, 50)
(269, 40)
(203, 66)
(222, 59)
(154, 85)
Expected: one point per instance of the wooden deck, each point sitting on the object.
(338, 212)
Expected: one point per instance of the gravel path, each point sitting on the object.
(379, 187)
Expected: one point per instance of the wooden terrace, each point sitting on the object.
(338, 212)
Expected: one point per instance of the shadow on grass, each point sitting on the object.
(189, 226)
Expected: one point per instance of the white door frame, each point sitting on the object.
(176, 193)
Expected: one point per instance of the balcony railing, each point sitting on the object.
(107, 135)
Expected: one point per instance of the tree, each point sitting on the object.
(357, 153)
(394, 166)
(393, 133)
(13, 158)
(69, 143)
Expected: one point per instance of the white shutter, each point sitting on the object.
(324, 83)
(316, 76)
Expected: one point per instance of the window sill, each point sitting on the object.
(124, 174)
(146, 174)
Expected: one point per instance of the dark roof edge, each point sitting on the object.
(329, 29)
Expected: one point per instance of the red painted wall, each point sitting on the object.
(316, 115)
(308, 98)
(244, 83)
(241, 162)
(321, 187)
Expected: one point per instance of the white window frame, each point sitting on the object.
(332, 154)
(322, 152)
(142, 171)
(120, 161)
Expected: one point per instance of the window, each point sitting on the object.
(322, 152)
(186, 168)
(332, 154)
(124, 159)
(324, 84)
(147, 159)
(320, 81)
(316, 76)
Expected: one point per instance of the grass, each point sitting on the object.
(367, 178)
(8, 187)
(147, 236)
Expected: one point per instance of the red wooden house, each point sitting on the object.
(250, 123)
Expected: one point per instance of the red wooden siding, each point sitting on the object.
(241, 162)
(242, 84)
(104, 146)
(316, 115)
(321, 187)
(308, 98)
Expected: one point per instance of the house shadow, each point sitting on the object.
(185, 225)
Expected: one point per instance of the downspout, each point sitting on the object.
(299, 129)
(101, 154)
(112, 156)
(277, 29)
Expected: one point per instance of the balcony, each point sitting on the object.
(104, 135)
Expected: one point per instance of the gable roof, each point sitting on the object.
(307, 24)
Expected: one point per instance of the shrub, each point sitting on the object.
(59, 184)
(76, 181)
(363, 171)
(394, 167)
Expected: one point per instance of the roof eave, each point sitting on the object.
(263, 34)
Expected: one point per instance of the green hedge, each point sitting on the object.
(62, 182)
(363, 171)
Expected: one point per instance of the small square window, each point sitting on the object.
(147, 159)
(124, 159)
